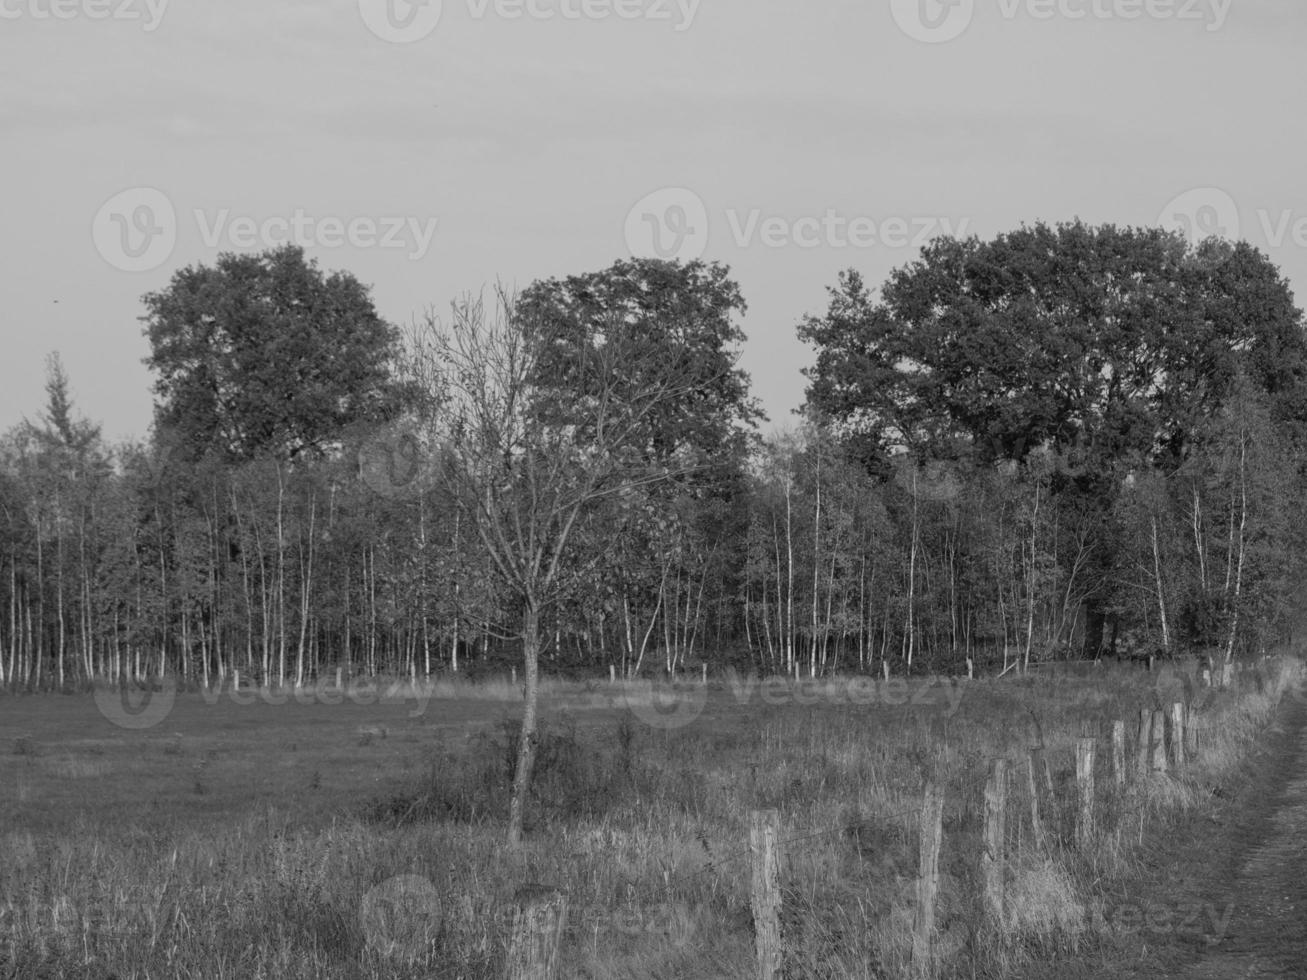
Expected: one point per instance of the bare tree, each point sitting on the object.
(526, 469)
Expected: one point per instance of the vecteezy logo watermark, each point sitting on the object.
(937, 21)
(396, 461)
(666, 704)
(1204, 213)
(1200, 214)
(933, 21)
(136, 229)
(936, 479)
(136, 709)
(149, 11)
(671, 223)
(401, 917)
(400, 21)
(674, 223)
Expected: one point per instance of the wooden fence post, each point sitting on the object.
(1085, 788)
(538, 922)
(1032, 783)
(991, 855)
(1159, 742)
(764, 827)
(923, 927)
(1190, 734)
(1118, 754)
(1141, 745)
(1177, 735)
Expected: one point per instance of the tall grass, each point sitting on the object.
(644, 829)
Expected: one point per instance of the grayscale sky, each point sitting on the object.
(433, 148)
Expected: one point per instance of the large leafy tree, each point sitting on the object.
(669, 320)
(1101, 346)
(673, 326)
(1099, 343)
(267, 355)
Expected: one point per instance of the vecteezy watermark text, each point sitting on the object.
(302, 228)
(938, 21)
(136, 230)
(675, 223)
(149, 12)
(406, 21)
(672, 704)
(1158, 918)
(136, 709)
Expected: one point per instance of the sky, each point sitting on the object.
(433, 149)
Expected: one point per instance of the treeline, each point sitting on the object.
(1064, 442)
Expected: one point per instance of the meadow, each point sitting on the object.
(264, 834)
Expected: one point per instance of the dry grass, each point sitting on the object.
(297, 842)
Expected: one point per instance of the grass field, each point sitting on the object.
(241, 838)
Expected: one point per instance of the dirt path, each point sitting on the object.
(1224, 896)
(1267, 935)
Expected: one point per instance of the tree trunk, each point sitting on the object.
(1095, 622)
(1161, 590)
(526, 747)
(1238, 575)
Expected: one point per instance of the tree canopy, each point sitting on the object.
(1101, 342)
(267, 355)
(674, 326)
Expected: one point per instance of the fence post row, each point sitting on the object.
(1162, 737)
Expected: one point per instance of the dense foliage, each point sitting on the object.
(1062, 439)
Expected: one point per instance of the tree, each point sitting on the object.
(673, 320)
(265, 355)
(529, 480)
(1105, 346)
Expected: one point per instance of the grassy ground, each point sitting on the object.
(364, 839)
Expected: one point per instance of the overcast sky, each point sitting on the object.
(432, 149)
